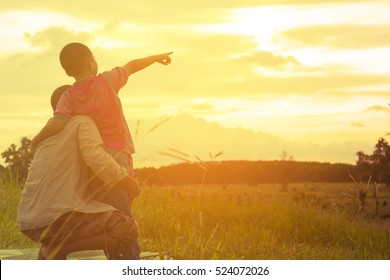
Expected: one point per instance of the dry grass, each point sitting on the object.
(309, 221)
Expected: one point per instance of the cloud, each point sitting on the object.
(357, 124)
(203, 65)
(342, 36)
(57, 37)
(38, 72)
(146, 12)
(300, 85)
(254, 146)
(200, 63)
(377, 108)
(198, 44)
(267, 59)
(203, 107)
(140, 9)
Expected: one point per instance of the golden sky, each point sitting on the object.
(312, 74)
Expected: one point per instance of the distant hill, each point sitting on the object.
(196, 137)
(192, 137)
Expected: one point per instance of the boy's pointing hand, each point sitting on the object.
(164, 58)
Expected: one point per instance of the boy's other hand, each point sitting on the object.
(164, 58)
(131, 185)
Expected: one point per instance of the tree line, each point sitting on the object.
(246, 172)
(374, 167)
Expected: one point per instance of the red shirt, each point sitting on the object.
(97, 97)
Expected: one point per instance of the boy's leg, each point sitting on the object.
(118, 198)
(124, 250)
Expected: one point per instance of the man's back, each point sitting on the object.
(58, 177)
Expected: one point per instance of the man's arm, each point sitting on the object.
(141, 63)
(102, 163)
(131, 185)
(53, 126)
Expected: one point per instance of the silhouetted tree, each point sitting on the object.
(377, 164)
(18, 159)
(285, 171)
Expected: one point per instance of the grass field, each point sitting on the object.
(308, 221)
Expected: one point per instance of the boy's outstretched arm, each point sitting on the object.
(141, 63)
(53, 126)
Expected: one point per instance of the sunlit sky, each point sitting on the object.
(302, 71)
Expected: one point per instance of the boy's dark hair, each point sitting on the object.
(56, 95)
(73, 58)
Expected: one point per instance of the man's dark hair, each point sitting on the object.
(73, 58)
(56, 95)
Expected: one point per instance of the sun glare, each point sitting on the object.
(266, 68)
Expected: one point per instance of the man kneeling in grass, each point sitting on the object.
(56, 207)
